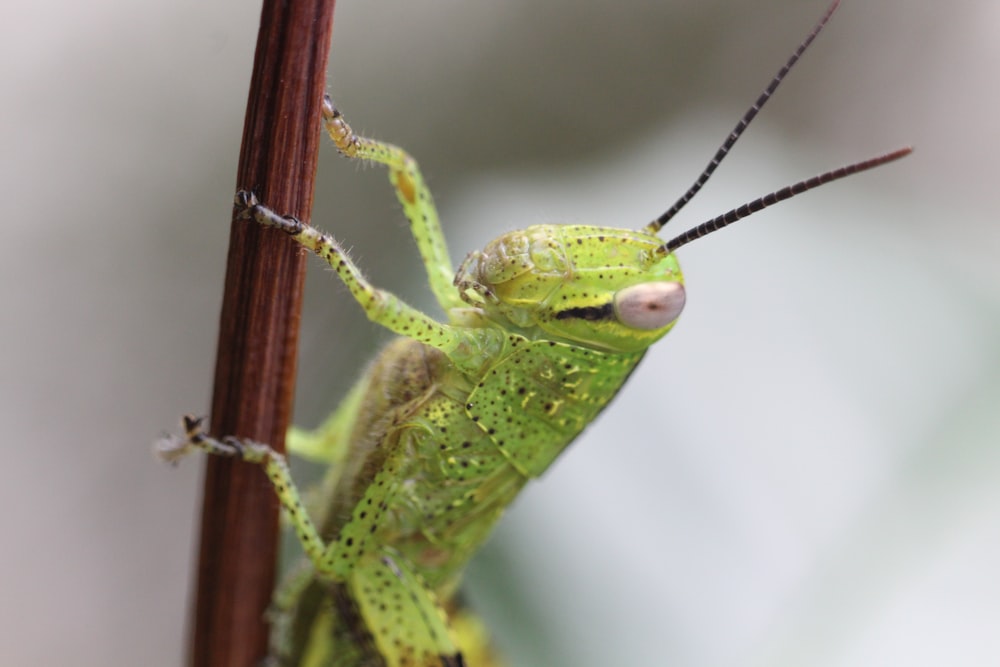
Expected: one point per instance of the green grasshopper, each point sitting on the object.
(452, 419)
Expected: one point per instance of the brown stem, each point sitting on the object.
(258, 333)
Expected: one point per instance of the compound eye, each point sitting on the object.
(649, 306)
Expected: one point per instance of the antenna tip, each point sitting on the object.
(893, 155)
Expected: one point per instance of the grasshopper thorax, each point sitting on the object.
(606, 288)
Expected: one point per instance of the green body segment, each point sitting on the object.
(430, 470)
(450, 421)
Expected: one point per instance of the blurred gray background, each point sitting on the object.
(806, 471)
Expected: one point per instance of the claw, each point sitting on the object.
(192, 424)
(172, 448)
(244, 201)
(329, 108)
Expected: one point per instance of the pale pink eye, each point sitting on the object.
(649, 306)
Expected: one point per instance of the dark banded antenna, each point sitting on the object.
(786, 192)
(741, 126)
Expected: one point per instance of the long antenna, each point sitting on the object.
(761, 203)
(723, 151)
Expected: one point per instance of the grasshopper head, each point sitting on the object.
(615, 289)
(612, 289)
